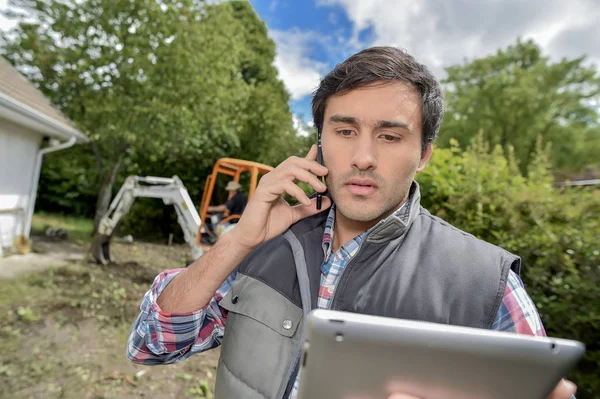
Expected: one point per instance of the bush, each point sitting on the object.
(150, 220)
(68, 183)
(555, 231)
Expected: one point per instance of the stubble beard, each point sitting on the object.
(364, 209)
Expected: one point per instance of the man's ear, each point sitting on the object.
(425, 157)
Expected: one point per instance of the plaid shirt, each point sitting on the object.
(161, 338)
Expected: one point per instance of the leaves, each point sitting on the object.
(518, 94)
(168, 86)
(26, 314)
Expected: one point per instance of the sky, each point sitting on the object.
(314, 35)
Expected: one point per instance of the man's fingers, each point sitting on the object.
(401, 396)
(295, 191)
(304, 163)
(295, 173)
(311, 165)
(283, 179)
(564, 390)
(301, 211)
(312, 153)
(284, 169)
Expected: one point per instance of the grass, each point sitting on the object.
(63, 332)
(79, 229)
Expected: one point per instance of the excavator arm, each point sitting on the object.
(170, 190)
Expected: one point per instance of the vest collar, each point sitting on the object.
(397, 224)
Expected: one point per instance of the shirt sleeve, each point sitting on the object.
(230, 204)
(517, 312)
(158, 337)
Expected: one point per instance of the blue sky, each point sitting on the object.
(313, 35)
(311, 38)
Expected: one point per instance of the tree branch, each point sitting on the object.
(99, 162)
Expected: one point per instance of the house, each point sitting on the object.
(26, 119)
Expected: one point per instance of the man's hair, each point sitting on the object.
(384, 65)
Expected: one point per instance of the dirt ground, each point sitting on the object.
(63, 331)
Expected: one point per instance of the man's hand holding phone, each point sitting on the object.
(267, 214)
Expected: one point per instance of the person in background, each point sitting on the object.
(236, 204)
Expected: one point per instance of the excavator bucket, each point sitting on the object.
(101, 249)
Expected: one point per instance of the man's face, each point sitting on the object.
(372, 147)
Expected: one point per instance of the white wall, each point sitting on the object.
(18, 150)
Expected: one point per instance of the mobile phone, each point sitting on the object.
(319, 160)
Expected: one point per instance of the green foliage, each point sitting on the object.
(26, 314)
(184, 377)
(555, 232)
(152, 220)
(144, 75)
(266, 134)
(161, 88)
(68, 183)
(517, 94)
(201, 390)
(73, 293)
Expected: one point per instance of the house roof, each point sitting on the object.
(22, 103)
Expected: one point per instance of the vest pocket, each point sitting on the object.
(260, 342)
(255, 299)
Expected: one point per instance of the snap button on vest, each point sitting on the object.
(287, 324)
(235, 299)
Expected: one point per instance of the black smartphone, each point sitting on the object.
(319, 160)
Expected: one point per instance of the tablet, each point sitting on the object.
(354, 356)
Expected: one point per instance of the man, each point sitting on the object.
(372, 249)
(236, 204)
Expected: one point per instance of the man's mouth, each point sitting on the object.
(362, 187)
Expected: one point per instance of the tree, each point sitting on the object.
(517, 94)
(149, 81)
(267, 135)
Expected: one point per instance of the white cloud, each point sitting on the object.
(5, 23)
(441, 32)
(298, 71)
(300, 126)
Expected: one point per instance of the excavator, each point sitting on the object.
(172, 191)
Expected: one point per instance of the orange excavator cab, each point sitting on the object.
(234, 168)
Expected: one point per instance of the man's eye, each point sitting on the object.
(391, 138)
(345, 132)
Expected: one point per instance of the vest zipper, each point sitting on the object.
(362, 243)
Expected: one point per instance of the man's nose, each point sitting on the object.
(365, 157)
